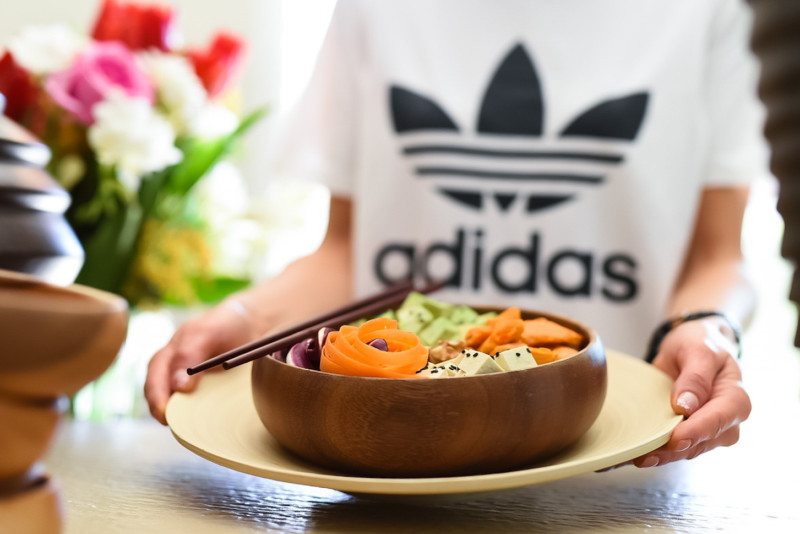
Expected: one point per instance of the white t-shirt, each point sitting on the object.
(543, 154)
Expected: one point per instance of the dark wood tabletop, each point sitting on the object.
(133, 476)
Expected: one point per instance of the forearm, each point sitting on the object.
(308, 286)
(714, 275)
(723, 285)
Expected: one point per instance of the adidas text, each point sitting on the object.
(569, 272)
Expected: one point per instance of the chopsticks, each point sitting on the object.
(284, 339)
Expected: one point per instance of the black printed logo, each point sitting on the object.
(513, 105)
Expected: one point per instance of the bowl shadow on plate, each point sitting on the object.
(298, 462)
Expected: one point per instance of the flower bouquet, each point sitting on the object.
(134, 122)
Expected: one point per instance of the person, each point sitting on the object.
(591, 159)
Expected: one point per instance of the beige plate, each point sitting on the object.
(219, 423)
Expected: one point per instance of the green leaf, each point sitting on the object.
(110, 251)
(200, 155)
(211, 291)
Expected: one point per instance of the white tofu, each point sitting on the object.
(515, 359)
(478, 363)
(451, 369)
(428, 367)
(452, 361)
(441, 370)
(435, 372)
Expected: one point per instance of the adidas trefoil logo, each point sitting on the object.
(512, 110)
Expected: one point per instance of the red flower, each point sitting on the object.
(218, 64)
(138, 27)
(18, 88)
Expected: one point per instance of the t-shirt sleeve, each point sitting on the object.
(735, 114)
(316, 140)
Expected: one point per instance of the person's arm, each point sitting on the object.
(310, 285)
(712, 274)
(700, 354)
(307, 287)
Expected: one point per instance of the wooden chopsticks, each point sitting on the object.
(284, 339)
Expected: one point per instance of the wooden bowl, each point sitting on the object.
(55, 339)
(433, 427)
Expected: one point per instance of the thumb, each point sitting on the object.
(182, 381)
(692, 387)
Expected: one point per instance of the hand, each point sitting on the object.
(708, 391)
(223, 328)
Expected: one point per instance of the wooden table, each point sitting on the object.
(132, 476)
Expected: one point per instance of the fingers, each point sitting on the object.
(157, 388)
(694, 384)
(166, 372)
(715, 424)
(664, 455)
(179, 379)
(729, 407)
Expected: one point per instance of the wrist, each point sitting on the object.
(236, 305)
(241, 315)
(727, 326)
(250, 311)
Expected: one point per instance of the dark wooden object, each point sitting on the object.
(35, 237)
(776, 42)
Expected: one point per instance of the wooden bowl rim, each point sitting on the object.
(105, 301)
(591, 335)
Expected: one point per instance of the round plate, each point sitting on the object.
(219, 423)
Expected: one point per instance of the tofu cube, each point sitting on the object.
(515, 359)
(450, 368)
(454, 370)
(452, 361)
(434, 372)
(478, 363)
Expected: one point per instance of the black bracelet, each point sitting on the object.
(664, 328)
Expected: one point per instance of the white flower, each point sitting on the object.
(214, 121)
(223, 202)
(130, 136)
(45, 49)
(222, 193)
(179, 89)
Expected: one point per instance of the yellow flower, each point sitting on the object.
(169, 259)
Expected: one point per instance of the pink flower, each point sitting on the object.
(104, 67)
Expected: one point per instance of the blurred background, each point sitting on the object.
(282, 39)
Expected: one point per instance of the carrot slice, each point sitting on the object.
(334, 361)
(347, 351)
(509, 313)
(543, 355)
(562, 351)
(477, 335)
(542, 332)
(504, 330)
(404, 349)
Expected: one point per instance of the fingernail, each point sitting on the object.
(650, 461)
(180, 379)
(683, 445)
(688, 401)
